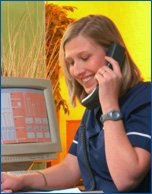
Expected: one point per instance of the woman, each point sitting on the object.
(118, 150)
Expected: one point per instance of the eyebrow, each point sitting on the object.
(81, 52)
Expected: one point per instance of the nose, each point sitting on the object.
(78, 69)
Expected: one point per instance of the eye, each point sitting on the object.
(85, 57)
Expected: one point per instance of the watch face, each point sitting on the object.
(115, 115)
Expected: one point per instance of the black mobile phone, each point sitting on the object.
(117, 52)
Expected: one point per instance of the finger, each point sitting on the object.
(114, 63)
(4, 182)
(99, 77)
(104, 71)
(7, 191)
(4, 187)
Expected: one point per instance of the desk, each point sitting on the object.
(68, 190)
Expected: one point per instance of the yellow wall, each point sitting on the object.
(133, 21)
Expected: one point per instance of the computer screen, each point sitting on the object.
(29, 128)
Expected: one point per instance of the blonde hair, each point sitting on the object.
(104, 32)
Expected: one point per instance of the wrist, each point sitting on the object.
(34, 179)
(113, 115)
(44, 178)
(108, 106)
(20, 182)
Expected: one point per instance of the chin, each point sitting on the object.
(88, 91)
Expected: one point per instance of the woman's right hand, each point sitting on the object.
(10, 183)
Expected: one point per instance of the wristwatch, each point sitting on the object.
(112, 115)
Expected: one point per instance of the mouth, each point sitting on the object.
(87, 79)
(89, 82)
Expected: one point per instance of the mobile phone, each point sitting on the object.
(117, 52)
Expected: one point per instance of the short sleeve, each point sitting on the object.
(73, 147)
(138, 117)
(138, 128)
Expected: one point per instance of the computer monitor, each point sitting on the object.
(29, 128)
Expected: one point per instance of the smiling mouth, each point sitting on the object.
(87, 79)
(89, 82)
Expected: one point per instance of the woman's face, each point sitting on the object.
(84, 57)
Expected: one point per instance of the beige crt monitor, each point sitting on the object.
(29, 128)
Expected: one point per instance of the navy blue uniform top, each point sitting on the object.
(135, 107)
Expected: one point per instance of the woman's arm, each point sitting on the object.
(127, 165)
(63, 175)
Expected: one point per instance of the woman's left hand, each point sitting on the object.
(109, 82)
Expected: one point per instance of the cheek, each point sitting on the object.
(98, 63)
(100, 60)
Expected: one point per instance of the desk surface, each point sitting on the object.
(69, 190)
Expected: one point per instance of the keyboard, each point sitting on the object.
(20, 172)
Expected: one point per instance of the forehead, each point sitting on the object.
(80, 44)
(80, 40)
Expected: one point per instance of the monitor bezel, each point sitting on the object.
(37, 148)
